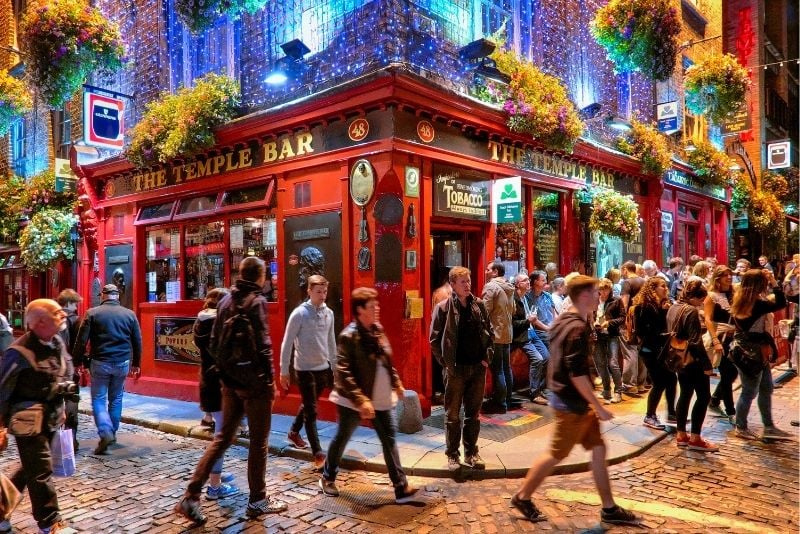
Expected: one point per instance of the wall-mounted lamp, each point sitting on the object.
(590, 111)
(735, 167)
(690, 147)
(289, 66)
(618, 123)
(476, 54)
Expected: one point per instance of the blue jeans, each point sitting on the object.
(108, 381)
(537, 378)
(218, 421)
(760, 385)
(502, 381)
(463, 385)
(540, 340)
(386, 429)
(606, 359)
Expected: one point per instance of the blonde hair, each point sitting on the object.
(750, 289)
(604, 283)
(701, 269)
(456, 273)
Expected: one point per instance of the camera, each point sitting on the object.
(68, 390)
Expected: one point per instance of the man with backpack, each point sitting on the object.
(242, 348)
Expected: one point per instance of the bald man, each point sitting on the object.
(29, 372)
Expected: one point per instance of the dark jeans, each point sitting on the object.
(502, 381)
(463, 385)
(108, 386)
(311, 384)
(759, 385)
(235, 404)
(36, 472)
(664, 382)
(386, 429)
(537, 362)
(693, 381)
(724, 390)
(606, 360)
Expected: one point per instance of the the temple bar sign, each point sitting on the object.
(103, 121)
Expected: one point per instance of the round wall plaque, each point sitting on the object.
(362, 182)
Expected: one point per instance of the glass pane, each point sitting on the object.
(546, 219)
(244, 196)
(162, 266)
(197, 204)
(691, 238)
(255, 236)
(156, 211)
(205, 259)
(453, 256)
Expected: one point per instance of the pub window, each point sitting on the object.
(205, 258)
(546, 222)
(302, 194)
(244, 196)
(163, 265)
(62, 132)
(197, 204)
(156, 211)
(510, 245)
(255, 236)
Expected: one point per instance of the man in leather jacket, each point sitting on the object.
(32, 409)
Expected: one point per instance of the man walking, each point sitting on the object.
(116, 351)
(571, 396)
(634, 372)
(246, 389)
(29, 373)
(461, 340)
(498, 297)
(523, 334)
(309, 332)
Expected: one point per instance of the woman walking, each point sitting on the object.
(684, 320)
(650, 324)
(717, 307)
(750, 308)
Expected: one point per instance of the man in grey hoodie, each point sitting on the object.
(498, 295)
(309, 332)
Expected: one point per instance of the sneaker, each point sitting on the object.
(190, 509)
(672, 419)
(771, 432)
(265, 506)
(5, 526)
(296, 440)
(605, 395)
(598, 381)
(632, 390)
(653, 422)
(616, 398)
(54, 528)
(227, 478)
(475, 461)
(103, 444)
(221, 492)
(319, 460)
(746, 433)
(527, 508)
(702, 445)
(404, 494)
(682, 441)
(618, 515)
(453, 463)
(328, 487)
(540, 400)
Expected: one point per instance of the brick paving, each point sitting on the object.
(746, 487)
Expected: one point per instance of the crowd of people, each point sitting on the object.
(636, 331)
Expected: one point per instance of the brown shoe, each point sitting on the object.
(296, 440)
(319, 460)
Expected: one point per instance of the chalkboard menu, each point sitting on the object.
(545, 228)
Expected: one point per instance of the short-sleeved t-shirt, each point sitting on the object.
(631, 286)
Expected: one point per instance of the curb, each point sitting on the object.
(352, 464)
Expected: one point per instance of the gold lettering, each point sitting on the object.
(519, 155)
(508, 154)
(286, 149)
(137, 182)
(177, 174)
(548, 162)
(219, 161)
(270, 152)
(203, 168)
(161, 178)
(582, 173)
(558, 166)
(245, 159)
(494, 148)
(149, 181)
(304, 143)
(191, 171)
(229, 164)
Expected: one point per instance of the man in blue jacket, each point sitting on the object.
(116, 351)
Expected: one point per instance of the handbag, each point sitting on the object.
(708, 344)
(62, 453)
(676, 355)
(749, 355)
(84, 376)
(9, 496)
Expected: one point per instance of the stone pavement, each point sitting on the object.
(422, 453)
(746, 487)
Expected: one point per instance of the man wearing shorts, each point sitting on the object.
(571, 396)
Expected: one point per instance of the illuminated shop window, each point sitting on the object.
(510, 245)
(546, 222)
(162, 267)
(205, 259)
(255, 236)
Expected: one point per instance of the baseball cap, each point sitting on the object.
(110, 288)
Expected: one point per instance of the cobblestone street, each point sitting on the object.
(746, 487)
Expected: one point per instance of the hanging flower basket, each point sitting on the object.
(200, 15)
(775, 184)
(182, 124)
(15, 101)
(716, 87)
(65, 41)
(650, 147)
(11, 192)
(614, 214)
(639, 35)
(712, 166)
(46, 239)
(536, 103)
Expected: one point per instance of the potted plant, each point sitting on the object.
(650, 147)
(716, 86)
(639, 35)
(46, 239)
(63, 42)
(15, 101)
(182, 124)
(614, 214)
(712, 166)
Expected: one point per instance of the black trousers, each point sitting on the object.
(311, 384)
(693, 381)
(36, 473)
(727, 376)
(664, 382)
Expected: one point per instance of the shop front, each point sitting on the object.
(371, 187)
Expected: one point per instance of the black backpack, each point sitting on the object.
(237, 355)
